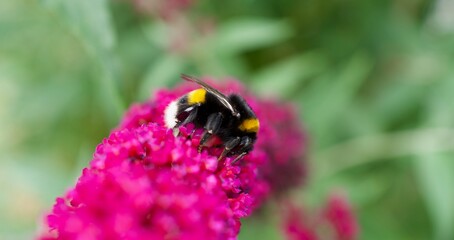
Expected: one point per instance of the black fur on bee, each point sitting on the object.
(229, 118)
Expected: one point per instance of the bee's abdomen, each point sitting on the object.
(250, 125)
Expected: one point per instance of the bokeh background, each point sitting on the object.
(373, 81)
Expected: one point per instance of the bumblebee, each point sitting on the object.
(229, 118)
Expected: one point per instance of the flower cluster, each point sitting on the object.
(341, 217)
(337, 216)
(144, 182)
(284, 144)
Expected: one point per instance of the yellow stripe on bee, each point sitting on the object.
(197, 96)
(250, 125)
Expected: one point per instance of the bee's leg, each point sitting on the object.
(191, 134)
(245, 147)
(191, 113)
(190, 118)
(212, 126)
(205, 136)
(238, 158)
(229, 145)
(175, 131)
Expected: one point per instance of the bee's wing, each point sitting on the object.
(221, 97)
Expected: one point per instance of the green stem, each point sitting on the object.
(109, 84)
(367, 149)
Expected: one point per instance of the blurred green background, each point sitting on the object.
(374, 82)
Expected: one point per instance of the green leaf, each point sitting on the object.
(91, 21)
(331, 94)
(284, 77)
(436, 178)
(157, 33)
(161, 73)
(27, 193)
(396, 100)
(436, 171)
(240, 35)
(89, 18)
(263, 228)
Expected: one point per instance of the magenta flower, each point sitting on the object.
(284, 144)
(281, 145)
(335, 221)
(340, 215)
(296, 226)
(144, 183)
